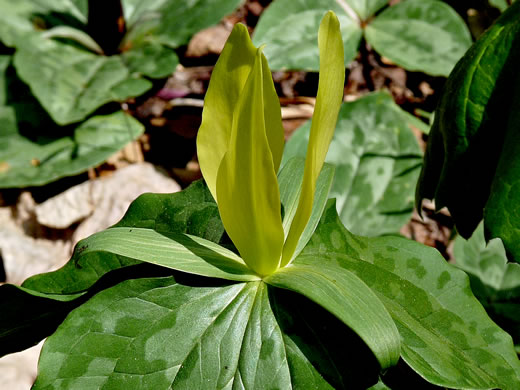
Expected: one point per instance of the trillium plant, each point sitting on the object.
(250, 281)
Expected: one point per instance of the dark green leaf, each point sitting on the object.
(45, 157)
(446, 335)
(473, 157)
(377, 161)
(420, 35)
(494, 281)
(290, 30)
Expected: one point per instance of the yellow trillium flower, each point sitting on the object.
(240, 145)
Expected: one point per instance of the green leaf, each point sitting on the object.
(178, 251)
(175, 22)
(500, 4)
(48, 298)
(70, 83)
(290, 180)
(5, 61)
(191, 211)
(247, 188)
(377, 162)
(76, 35)
(41, 158)
(420, 35)
(150, 59)
(478, 116)
(289, 30)
(15, 20)
(343, 294)
(366, 8)
(225, 89)
(328, 103)
(236, 341)
(446, 336)
(494, 281)
(235, 344)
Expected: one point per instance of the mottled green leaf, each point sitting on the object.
(366, 8)
(290, 181)
(343, 294)
(420, 35)
(328, 103)
(70, 83)
(174, 22)
(473, 159)
(446, 336)
(494, 281)
(377, 161)
(38, 159)
(290, 31)
(234, 343)
(48, 298)
(79, 36)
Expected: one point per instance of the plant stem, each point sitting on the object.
(106, 24)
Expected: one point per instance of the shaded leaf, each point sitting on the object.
(151, 59)
(494, 281)
(478, 116)
(289, 30)
(43, 158)
(420, 35)
(377, 161)
(446, 336)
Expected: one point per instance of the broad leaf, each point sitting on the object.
(289, 30)
(328, 103)
(494, 281)
(173, 23)
(15, 20)
(366, 8)
(478, 117)
(446, 336)
(343, 294)
(191, 211)
(236, 342)
(151, 60)
(420, 35)
(377, 162)
(39, 158)
(500, 4)
(48, 298)
(70, 83)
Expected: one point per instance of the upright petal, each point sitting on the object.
(247, 187)
(227, 82)
(328, 103)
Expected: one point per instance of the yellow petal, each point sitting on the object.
(328, 103)
(247, 186)
(227, 82)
